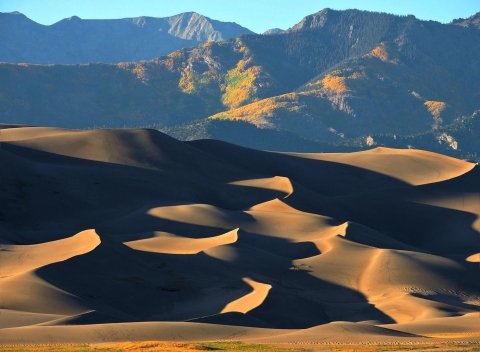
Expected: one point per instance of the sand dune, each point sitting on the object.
(180, 245)
(281, 184)
(250, 300)
(340, 174)
(17, 259)
(343, 331)
(142, 331)
(454, 327)
(30, 293)
(474, 258)
(436, 217)
(12, 318)
(25, 133)
(415, 167)
(209, 241)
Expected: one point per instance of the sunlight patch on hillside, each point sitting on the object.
(334, 83)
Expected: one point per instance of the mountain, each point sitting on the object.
(333, 79)
(75, 41)
(472, 21)
(409, 82)
(273, 31)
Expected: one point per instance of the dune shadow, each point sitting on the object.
(326, 178)
(428, 228)
(51, 191)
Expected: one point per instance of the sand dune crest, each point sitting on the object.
(25, 133)
(474, 258)
(17, 259)
(277, 183)
(251, 300)
(413, 166)
(172, 244)
(274, 205)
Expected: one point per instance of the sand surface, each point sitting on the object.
(130, 235)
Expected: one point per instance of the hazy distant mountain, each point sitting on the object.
(336, 78)
(273, 31)
(473, 21)
(73, 40)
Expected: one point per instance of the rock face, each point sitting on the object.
(76, 41)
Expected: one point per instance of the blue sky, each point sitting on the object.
(257, 15)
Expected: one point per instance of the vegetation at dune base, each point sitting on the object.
(151, 346)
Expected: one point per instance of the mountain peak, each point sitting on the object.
(191, 13)
(315, 20)
(16, 18)
(188, 15)
(348, 17)
(194, 26)
(273, 31)
(14, 13)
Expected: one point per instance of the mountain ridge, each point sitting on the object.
(473, 21)
(74, 40)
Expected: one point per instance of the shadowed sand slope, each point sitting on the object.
(130, 235)
(340, 174)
